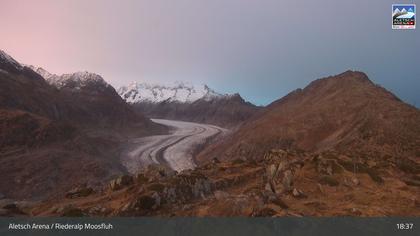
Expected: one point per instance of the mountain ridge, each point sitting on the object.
(54, 137)
(187, 102)
(336, 112)
(182, 92)
(75, 81)
(341, 146)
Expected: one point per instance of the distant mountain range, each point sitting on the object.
(179, 100)
(181, 92)
(184, 101)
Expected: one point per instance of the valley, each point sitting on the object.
(174, 150)
(73, 145)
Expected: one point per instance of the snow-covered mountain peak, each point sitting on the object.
(183, 92)
(77, 80)
(41, 71)
(74, 80)
(83, 76)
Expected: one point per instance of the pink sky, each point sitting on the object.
(52, 34)
(262, 49)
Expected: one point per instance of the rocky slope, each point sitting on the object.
(86, 98)
(347, 113)
(50, 135)
(282, 183)
(188, 103)
(341, 146)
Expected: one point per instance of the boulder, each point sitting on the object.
(280, 168)
(186, 186)
(272, 198)
(328, 180)
(287, 180)
(355, 181)
(220, 195)
(298, 193)
(156, 172)
(4, 202)
(265, 212)
(141, 178)
(328, 166)
(82, 191)
(121, 182)
(146, 202)
(98, 210)
(11, 209)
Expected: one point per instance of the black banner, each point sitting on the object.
(340, 226)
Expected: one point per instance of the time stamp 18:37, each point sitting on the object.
(405, 226)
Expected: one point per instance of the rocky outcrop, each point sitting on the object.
(11, 209)
(280, 169)
(120, 182)
(82, 191)
(164, 189)
(281, 183)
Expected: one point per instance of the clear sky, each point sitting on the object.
(262, 49)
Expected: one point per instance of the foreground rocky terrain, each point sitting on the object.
(281, 183)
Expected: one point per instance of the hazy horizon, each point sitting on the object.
(262, 50)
